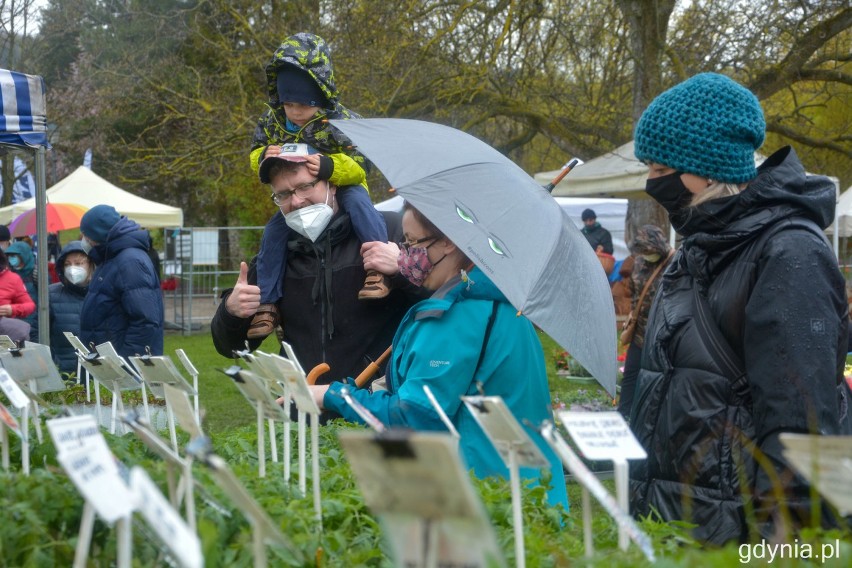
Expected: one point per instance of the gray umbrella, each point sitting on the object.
(507, 224)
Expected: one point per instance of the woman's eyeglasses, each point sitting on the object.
(405, 245)
(302, 190)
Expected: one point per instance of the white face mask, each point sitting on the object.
(310, 221)
(651, 257)
(86, 244)
(76, 274)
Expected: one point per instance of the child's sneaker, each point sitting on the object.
(376, 286)
(264, 322)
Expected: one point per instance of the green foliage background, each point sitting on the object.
(166, 92)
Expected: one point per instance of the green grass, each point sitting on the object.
(223, 407)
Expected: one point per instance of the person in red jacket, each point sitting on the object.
(14, 303)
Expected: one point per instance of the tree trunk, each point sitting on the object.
(648, 25)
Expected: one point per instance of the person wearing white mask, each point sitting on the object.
(324, 320)
(74, 269)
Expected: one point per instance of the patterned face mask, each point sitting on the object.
(414, 264)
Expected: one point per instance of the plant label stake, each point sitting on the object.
(257, 364)
(516, 449)
(606, 436)
(264, 530)
(112, 371)
(258, 395)
(180, 539)
(83, 453)
(80, 348)
(193, 372)
(591, 484)
(443, 415)
(296, 384)
(416, 484)
(22, 402)
(179, 491)
(157, 372)
(273, 368)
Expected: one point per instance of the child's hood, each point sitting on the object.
(310, 53)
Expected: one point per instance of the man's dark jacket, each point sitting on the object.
(322, 317)
(597, 235)
(713, 442)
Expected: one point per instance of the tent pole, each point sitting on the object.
(41, 232)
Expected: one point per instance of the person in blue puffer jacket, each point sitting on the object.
(124, 305)
(445, 343)
(74, 269)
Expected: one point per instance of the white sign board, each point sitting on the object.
(75, 342)
(602, 435)
(504, 430)
(33, 365)
(74, 432)
(416, 483)
(158, 371)
(12, 390)
(178, 401)
(94, 472)
(294, 379)
(164, 520)
(825, 461)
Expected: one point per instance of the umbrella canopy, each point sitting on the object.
(60, 216)
(507, 224)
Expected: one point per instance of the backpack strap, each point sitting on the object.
(488, 327)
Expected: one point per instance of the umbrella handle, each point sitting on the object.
(315, 373)
(372, 368)
(568, 167)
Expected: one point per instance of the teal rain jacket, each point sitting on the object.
(438, 344)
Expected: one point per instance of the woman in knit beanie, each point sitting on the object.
(746, 339)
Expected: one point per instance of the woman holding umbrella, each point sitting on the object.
(465, 337)
(746, 339)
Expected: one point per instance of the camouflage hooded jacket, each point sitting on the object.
(649, 240)
(310, 53)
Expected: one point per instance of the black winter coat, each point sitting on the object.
(785, 315)
(322, 317)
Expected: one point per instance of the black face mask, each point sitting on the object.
(670, 192)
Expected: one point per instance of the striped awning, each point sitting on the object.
(24, 118)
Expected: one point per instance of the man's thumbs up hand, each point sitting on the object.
(245, 298)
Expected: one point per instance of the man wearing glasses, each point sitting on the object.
(322, 316)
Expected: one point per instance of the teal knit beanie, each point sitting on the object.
(708, 125)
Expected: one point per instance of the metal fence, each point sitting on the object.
(197, 264)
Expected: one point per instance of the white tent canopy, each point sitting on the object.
(84, 187)
(614, 174)
(843, 215)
